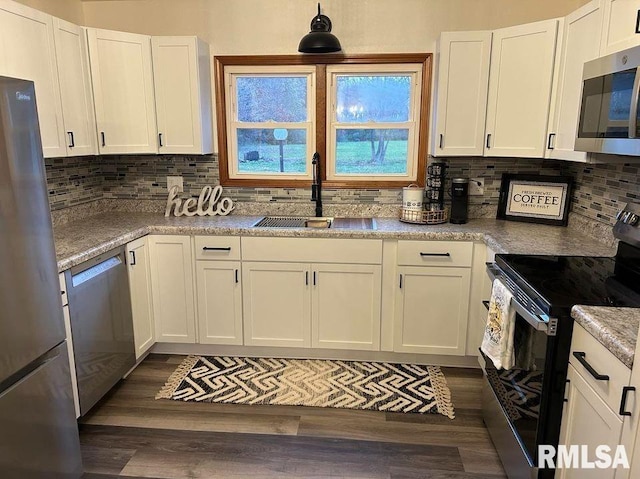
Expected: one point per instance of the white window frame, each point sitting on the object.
(234, 72)
(413, 124)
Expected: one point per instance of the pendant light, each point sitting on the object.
(319, 39)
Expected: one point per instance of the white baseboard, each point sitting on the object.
(303, 353)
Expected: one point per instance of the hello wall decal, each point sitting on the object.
(209, 203)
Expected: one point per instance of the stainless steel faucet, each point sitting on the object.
(316, 186)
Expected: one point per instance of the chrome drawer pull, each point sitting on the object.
(581, 356)
(435, 254)
(210, 248)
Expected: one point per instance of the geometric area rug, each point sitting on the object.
(393, 387)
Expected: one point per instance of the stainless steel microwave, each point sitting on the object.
(609, 120)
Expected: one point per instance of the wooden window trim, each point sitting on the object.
(321, 61)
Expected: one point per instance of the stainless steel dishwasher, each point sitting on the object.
(101, 324)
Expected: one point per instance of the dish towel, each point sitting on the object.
(497, 342)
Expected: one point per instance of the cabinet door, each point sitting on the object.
(581, 43)
(522, 59)
(75, 88)
(587, 420)
(432, 308)
(172, 286)
(620, 25)
(123, 89)
(346, 306)
(276, 299)
(28, 48)
(141, 299)
(461, 104)
(219, 294)
(182, 78)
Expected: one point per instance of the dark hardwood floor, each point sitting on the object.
(130, 434)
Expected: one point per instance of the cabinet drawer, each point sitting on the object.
(435, 253)
(312, 250)
(603, 362)
(217, 247)
(63, 289)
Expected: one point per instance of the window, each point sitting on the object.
(372, 121)
(365, 115)
(271, 121)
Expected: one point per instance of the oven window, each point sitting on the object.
(519, 390)
(606, 105)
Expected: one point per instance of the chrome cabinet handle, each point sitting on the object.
(436, 254)
(133, 258)
(104, 143)
(581, 357)
(551, 146)
(237, 281)
(306, 278)
(211, 248)
(400, 281)
(160, 139)
(441, 140)
(638, 22)
(72, 142)
(486, 304)
(488, 140)
(623, 401)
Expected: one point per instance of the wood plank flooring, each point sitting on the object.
(130, 434)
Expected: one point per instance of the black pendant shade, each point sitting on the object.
(319, 39)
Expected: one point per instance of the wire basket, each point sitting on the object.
(421, 217)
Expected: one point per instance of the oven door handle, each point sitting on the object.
(538, 322)
(545, 324)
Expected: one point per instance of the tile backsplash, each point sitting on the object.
(73, 181)
(599, 189)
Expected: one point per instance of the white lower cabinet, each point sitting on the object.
(345, 306)
(276, 301)
(219, 293)
(141, 299)
(431, 311)
(587, 420)
(171, 264)
(597, 409)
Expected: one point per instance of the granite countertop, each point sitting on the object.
(615, 328)
(82, 240)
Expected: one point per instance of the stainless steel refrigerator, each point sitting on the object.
(38, 429)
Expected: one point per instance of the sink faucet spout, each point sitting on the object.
(316, 186)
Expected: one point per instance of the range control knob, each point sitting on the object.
(633, 220)
(620, 214)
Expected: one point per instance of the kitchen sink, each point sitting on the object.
(314, 222)
(293, 222)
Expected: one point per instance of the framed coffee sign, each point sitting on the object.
(535, 198)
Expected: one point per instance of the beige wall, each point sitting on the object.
(276, 26)
(70, 10)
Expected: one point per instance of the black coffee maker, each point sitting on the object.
(459, 200)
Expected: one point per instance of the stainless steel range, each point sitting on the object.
(522, 406)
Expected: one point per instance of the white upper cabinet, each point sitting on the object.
(122, 76)
(76, 93)
(620, 26)
(182, 78)
(581, 43)
(520, 79)
(28, 51)
(461, 102)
